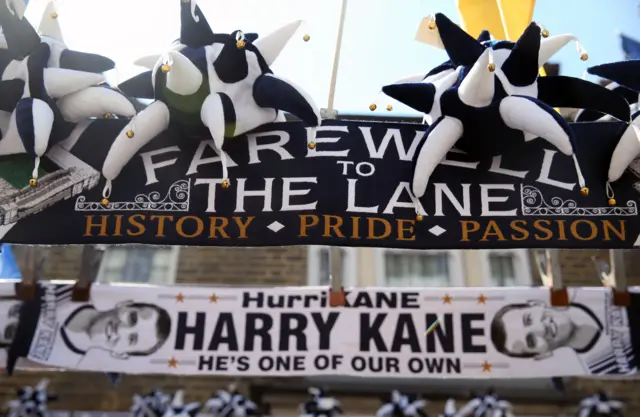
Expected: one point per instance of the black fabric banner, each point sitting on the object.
(351, 190)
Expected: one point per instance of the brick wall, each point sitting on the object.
(281, 266)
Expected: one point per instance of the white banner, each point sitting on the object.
(408, 333)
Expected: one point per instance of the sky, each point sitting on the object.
(378, 45)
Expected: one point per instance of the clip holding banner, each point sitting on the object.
(337, 296)
(613, 275)
(548, 262)
(32, 271)
(90, 262)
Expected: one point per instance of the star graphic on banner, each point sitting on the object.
(486, 367)
(482, 299)
(213, 298)
(179, 297)
(446, 299)
(173, 363)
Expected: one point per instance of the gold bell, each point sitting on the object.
(389, 107)
(241, 44)
(584, 56)
(226, 183)
(54, 15)
(419, 217)
(311, 145)
(584, 191)
(545, 33)
(612, 201)
(432, 25)
(491, 67)
(33, 182)
(373, 106)
(105, 202)
(107, 116)
(165, 68)
(306, 38)
(130, 134)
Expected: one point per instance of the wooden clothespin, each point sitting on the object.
(337, 296)
(33, 261)
(548, 262)
(613, 275)
(90, 261)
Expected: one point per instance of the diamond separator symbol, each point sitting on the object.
(275, 226)
(437, 230)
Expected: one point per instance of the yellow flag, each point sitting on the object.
(515, 16)
(478, 15)
(504, 19)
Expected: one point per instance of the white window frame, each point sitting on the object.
(173, 265)
(456, 265)
(522, 265)
(313, 265)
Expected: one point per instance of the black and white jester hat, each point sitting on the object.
(321, 405)
(599, 405)
(463, 52)
(31, 401)
(627, 75)
(240, 406)
(219, 81)
(153, 404)
(488, 404)
(593, 116)
(219, 400)
(489, 97)
(450, 409)
(179, 409)
(400, 405)
(45, 102)
(21, 39)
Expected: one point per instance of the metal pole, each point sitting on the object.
(336, 291)
(336, 58)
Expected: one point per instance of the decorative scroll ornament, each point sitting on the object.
(176, 199)
(534, 204)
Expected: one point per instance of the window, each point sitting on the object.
(419, 268)
(319, 265)
(506, 268)
(139, 264)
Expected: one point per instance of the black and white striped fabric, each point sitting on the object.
(29, 319)
(623, 361)
(608, 363)
(320, 405)
(401, 405)
(31, 401)
(599, 405)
